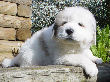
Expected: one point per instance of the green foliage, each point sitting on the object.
(102, 47)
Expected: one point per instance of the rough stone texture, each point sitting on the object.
(53, 74)
(23, 34)
(26, 2)
(7, 33)
(24, 10)
(8, 8)
(44, 74)
(7, 46)
(15, 22)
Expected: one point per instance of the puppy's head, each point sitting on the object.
(75, 24)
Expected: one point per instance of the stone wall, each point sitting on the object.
(15, 24)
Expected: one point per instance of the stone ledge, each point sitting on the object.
(8, 8)
(44, 74)
(52, 74)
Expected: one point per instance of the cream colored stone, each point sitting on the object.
(26, 2)
(8, 8)
(23, 34)
(7, 33)
(7, 46)
(24, 10)
(5, 55)
(15, 22)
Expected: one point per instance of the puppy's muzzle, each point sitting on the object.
(69, 31)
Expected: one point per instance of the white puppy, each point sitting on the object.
(66, 42)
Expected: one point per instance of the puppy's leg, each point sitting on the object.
(23, 59)
(95, 59)
(11, 62)
(79, 60)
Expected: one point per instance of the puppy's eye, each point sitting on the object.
(64, 22)
(80, 24)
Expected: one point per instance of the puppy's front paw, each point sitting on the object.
(91, 70)
(98, 61)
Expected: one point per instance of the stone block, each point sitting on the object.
(26, 2)
(24, 10)
(7, 33)
(23, 34)
(15, 22)
(45, 74)
(8, 8)
(53, 73)
(7, 46)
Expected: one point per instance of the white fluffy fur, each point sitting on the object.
(44, 48)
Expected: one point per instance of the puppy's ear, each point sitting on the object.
(55, 29)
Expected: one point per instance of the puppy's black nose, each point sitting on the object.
(69, 31)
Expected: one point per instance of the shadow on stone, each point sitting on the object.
(104, 73)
